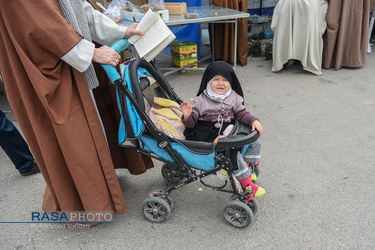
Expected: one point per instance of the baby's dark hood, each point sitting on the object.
(224, 69)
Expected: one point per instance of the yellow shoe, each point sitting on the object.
(260, 192)
(253, 177)
(257, 191)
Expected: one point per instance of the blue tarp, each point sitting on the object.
(189, 32)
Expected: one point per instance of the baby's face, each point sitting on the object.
(220, 85)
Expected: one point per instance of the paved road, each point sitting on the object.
(317, 168)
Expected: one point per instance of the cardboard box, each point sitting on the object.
(180, 63)
(184, 53)
(175, 8)
(183, 49)
(137, 17)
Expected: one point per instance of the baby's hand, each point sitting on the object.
(186, 109)
(217, 138)
(256, 125)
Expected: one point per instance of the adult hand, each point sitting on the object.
(256, 125)
(106, 55)
(186, 109)
(130, 31)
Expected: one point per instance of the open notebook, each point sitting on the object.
(156, 36)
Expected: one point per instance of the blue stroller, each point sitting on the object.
(184, 161)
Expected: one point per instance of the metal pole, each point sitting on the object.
(235, 43)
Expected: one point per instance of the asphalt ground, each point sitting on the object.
(317, 169)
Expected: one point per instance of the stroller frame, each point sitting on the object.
(157, 206)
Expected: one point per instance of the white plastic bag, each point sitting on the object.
(113, 10)
(157, 4)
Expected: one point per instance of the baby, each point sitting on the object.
(218, 102)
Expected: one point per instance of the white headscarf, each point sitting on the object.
(216, 96)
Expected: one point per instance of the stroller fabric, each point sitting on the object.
(166, 115)
(199, 161)
(135, 129)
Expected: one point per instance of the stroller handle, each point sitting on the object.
(110, 69)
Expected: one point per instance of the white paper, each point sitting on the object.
(156, 36)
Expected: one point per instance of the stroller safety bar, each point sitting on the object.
(240, 136)
(110, 69)
(231, 142)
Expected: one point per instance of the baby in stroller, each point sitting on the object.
(187, 161)
(219, 101)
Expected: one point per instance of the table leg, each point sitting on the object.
(212, 28)
(235, 44)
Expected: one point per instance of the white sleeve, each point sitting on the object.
(80, 56)
(103, 30)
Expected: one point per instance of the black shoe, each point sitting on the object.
(33, 170)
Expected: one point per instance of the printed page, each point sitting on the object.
(153, 53)
(155, 36)
(146, 22)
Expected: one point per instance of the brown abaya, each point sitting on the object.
(54, 108)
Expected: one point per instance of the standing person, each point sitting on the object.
(298, 27)
(347, 35)
(219, 101)
(47, 50)
(16, 148)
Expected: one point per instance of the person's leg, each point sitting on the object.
(252, 154)
(15, 145)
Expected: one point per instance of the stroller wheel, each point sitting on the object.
(156, 209)
(238, 214)
(160, 193)
(253, 204)
(171, 173)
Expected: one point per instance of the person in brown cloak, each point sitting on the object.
(47, 50)
(347, 35)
